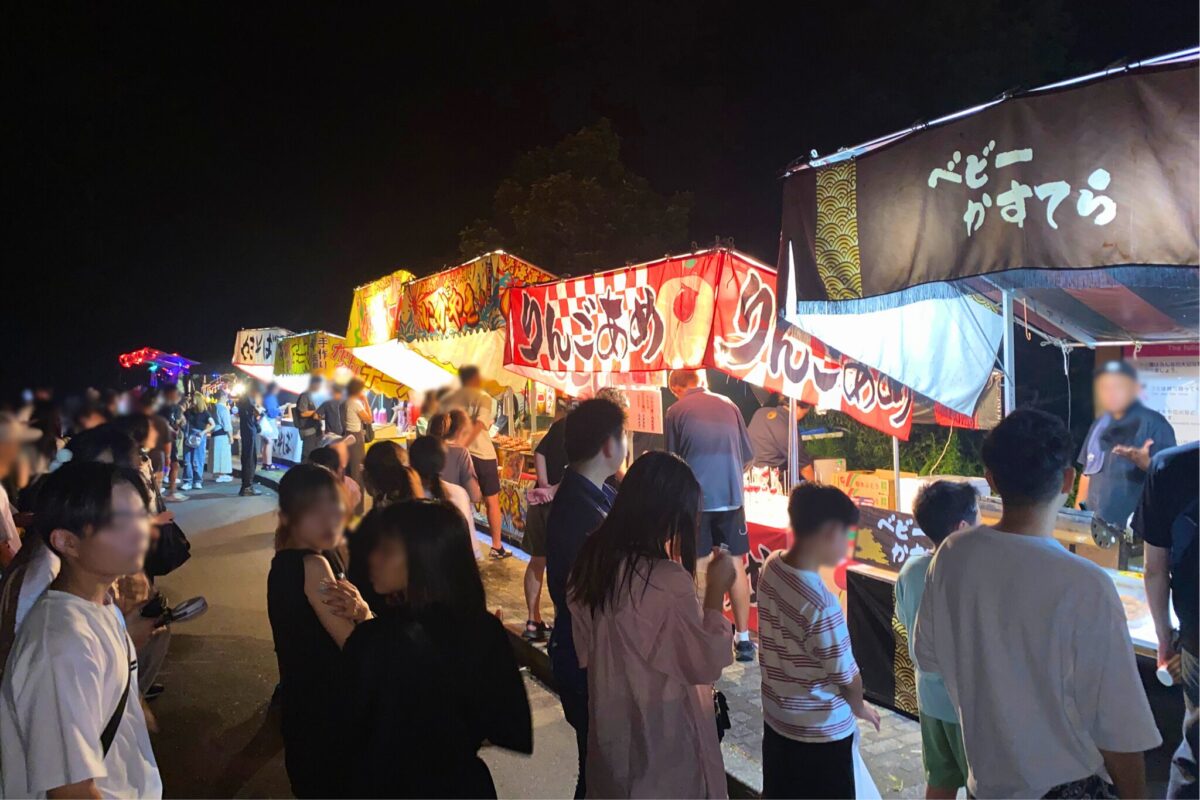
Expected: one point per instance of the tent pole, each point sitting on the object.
(793, 446)
(1010, 374)
(896, 462)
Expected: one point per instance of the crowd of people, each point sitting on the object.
(1027, 683)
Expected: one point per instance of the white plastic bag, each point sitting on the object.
(864, 784)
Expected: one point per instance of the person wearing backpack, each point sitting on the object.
(70, 721)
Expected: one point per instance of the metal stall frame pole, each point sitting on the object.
(793, 476)
(1006, 347)
(896, 462)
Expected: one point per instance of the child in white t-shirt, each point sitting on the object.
(811, 689)
(70, 717)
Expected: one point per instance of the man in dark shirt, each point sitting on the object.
(550, 461)
(330, 412)
(248, 425)
(172, 412)
(595, 441)
(1166, 520)
(1119, 445)
(768, 432)
(306, 419)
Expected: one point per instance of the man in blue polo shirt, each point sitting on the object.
(708, 432)
(595, 439)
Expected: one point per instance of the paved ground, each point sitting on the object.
(217, 737)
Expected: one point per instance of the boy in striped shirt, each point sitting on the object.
(811, 689)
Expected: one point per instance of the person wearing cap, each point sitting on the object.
(13, 434)
(1119, 446)
(769, 433)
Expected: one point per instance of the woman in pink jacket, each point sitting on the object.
(651, 651)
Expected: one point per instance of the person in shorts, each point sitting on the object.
(941, 508)
(550, 461)
(708, 432)
(481, 410)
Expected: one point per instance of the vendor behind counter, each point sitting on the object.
(1119, 445)
(769, 432)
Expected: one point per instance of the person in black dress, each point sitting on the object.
(433, 678)
(388, 479)
(312, 614)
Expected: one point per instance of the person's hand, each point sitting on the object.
(721, 572)
(1165, 651)
(345, 601)
(142, 629)
(132, 590)
(867, 713)
(1140, 456)
(163, 518)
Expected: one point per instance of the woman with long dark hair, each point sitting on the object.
(310, 625)
(388, 480)
(428, 457)
(434, 677)
(651, 651)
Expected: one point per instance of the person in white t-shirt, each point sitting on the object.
(1031, 640)
(70, 721)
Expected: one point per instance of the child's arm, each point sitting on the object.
(853, 693)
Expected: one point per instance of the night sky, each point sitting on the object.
(180, 171)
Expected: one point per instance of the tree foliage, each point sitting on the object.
(575, 208)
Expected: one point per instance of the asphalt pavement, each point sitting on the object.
(217, 736)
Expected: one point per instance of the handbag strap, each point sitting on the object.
(110, 730)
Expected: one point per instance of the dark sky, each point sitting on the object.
(176, 171)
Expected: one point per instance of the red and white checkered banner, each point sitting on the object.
(716, 309)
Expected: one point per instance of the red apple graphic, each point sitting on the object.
(685, 304)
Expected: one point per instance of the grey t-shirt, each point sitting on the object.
(308, 426)
(707, 431)
(460, 470)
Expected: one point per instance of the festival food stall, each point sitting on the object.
(165, 367)
(713, 309)
(1069, 210)
(254, 352)
(419, 331)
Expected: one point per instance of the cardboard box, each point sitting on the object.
(909, 487)
(870, 487)
(825, 468)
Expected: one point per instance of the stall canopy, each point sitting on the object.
(711, 309)
(325, 354)
(1075, 201)
(419, 331)
(162, 366)
(254, 352)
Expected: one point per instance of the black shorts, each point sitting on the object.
(723, 528)
(487, 470)
(534, 540)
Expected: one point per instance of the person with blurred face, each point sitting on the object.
(434, 676)
(312, 613)
(13, 434)
(1119, 446)
(71, 724)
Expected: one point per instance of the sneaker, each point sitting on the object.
(535, 631)
(223, 479)
(249, 491)
(499, 554)
(186, 486)
(175, 497)
(154, 691)
(197, 485)
(744, 651)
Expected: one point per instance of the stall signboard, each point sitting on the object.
(327, 355)
(1095, 173)
(469, 298)
(1170, 376)
(749, 341)
(255, 347)
(373, 310)
(888, 538)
